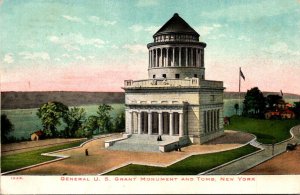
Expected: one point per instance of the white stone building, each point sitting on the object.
(175, 100)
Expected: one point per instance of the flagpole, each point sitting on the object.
(240, 90)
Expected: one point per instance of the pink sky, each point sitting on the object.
(268, 75)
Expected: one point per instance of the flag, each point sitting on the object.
(241, 74)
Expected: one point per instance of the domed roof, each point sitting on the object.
(176, 25)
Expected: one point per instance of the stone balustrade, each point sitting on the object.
(156, 83)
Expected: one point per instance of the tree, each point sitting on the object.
(103, 118)
(51, 114)
(6, 127)
(296, 109)
(100, 122)
(74, 119)
(120, 122)
(273, 100)
(254, 103)
(236, 107)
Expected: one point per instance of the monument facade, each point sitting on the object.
(175, 99)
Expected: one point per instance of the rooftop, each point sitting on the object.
(176, 25)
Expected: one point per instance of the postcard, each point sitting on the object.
(150, 96)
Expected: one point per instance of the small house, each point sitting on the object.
(287, 114)
(37, 135)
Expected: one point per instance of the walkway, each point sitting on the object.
(244, 164)
(101, 160)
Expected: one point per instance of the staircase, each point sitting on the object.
(142, 143)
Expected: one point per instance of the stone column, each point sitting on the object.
(192, 56)
(139, 123)
(157, 58)
(167, 59)
(181, 125)
(149, 123)
(206, 125)
(179, 56)
(171, 129)
(160, 123)
(200, 58)
(213, 120)
(186, 56)
(129, 123)
(162, 57)
(149, 59)
(173, 56)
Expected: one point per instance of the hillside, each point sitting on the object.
(14, 100)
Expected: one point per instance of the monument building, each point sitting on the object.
(175, 100)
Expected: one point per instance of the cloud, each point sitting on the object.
(281, 48)
(136, 48)
(250, 10)
(65, 55)
(139, 28)
(34, 55)
(102, 22)
(8, 58)
(243, 38)
(208, 29)
(146, 3)
(72, 18)
(79, 57)
(73, 42)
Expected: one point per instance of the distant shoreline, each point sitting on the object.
(25, 100)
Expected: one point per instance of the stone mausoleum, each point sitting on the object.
(175, 101)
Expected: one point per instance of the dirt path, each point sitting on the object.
(101, 160)
(284, 164)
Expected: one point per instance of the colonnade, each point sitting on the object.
(176, 56)
(156, 122)
(211, 120)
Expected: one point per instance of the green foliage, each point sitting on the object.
(265, 130)
(296, 109)
(104, 119)
(51, 114)
(190, 166)
(16, 161)
(74, 120)
(254, 103)
(120, 122)
(6, 128)
(236, 107)
(273, 100)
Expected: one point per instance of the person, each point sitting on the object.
(86, 152)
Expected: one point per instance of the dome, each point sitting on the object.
(176, 25)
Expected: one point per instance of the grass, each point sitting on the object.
(190, 166)
(266, 131)
(15, 161)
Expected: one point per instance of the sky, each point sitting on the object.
(91, 45)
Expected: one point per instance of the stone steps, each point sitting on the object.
(143, 143)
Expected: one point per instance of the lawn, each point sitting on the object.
(15, 161)
(266, 131)
(190, 166)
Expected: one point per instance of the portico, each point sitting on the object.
(156, 122)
